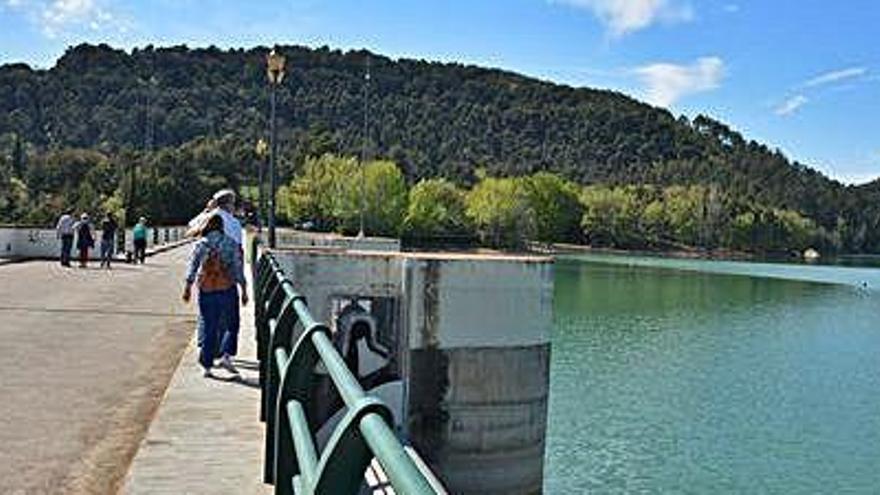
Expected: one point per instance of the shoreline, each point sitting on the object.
(717, 254)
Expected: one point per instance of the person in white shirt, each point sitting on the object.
(223, 204)
(64, 231)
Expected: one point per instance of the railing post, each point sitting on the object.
(281, 329)
(347, 455)
(262, 278)
(295, 385)
(274, 297)
(365, 429)
(269, 289)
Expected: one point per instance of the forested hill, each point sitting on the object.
(432, 119)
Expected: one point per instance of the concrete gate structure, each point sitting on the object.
(460, 344)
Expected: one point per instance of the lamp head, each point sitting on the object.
(275, 67)
(262, 147)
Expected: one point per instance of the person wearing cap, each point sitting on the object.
(222, 204)
(194, 226)
(84, 239)
(139, 236)
(215, 265)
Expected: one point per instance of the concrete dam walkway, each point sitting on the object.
(86, 362)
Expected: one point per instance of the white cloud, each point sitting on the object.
(55, 16)
(625, 16)
(666, 83)
(834, 76)
(60, 14)
(854, 178)
(816, 85)
(791, 105)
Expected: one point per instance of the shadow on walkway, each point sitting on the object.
(250, 382)
(246, 364)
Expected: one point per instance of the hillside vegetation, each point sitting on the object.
(183, 122)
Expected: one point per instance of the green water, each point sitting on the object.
(681, 380)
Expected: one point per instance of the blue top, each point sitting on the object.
(230, 256)
(139, 231)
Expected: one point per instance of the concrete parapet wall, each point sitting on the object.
(23, 242)
(474, 343)
(286, 238)
(320, 274)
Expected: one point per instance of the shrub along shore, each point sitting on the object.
(508, 212)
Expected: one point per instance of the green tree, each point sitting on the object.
(499, 209)
(655, 223)
(611, 216)
(436, 208)
(385, 199)
(556, 207)
(744, 231)
(800, 232)
(684, 213)
(323, 192)
(329, 193)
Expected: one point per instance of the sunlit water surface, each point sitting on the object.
(677, 376)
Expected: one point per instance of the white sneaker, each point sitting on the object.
(226, 363)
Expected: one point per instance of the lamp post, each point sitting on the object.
(261, 150)
(364, 144)
(275, 71)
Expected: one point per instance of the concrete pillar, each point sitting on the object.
(472, 337)
(479, 344)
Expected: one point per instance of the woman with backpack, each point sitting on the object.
(84, 239)
(216, 268)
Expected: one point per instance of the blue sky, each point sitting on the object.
(803, 76)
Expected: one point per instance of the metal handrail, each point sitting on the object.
(293, 463)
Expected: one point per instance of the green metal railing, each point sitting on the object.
(287, 377)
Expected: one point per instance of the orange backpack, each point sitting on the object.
(214, 275)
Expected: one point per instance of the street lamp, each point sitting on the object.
(365, 137)
(275, 71)
(261, 150)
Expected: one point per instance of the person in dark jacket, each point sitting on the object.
(108, 238)
(84, 239)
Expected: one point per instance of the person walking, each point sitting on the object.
(139, 236)
(84, 239)
(64, 231)
(223, 204)
(216, 268)
(108, 238)
(194, 226)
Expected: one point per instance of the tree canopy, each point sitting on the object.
(192, 117)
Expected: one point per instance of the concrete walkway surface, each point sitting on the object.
(86, 357)
(207, 437)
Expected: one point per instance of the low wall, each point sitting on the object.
(470, 337)
(24, 242)
(288, 238)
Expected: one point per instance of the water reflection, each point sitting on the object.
(668, 381)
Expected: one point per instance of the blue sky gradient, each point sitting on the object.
(802, 76)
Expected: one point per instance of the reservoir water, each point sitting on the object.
(672, 376)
